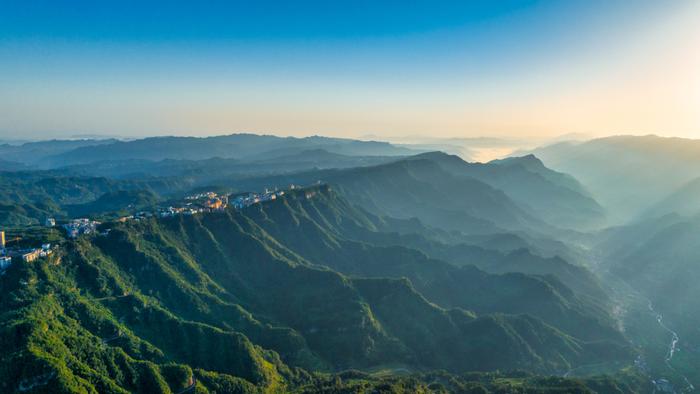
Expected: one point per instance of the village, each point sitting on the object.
(247, 199)
(192, 204)
(208, 202)
(8, 253)
(205, 202)
(12, 250)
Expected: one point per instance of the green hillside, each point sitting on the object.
(29, 197)
(220, 301)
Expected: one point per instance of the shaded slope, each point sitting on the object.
(445, 192)
(627, 174)
(555, 197)
(315, 226)
(684, 201)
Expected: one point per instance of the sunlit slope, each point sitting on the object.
(219, 299)
(325, 229)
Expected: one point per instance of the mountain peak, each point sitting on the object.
(529, 161)
(438, 156)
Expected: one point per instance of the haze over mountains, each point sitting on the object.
(352, 266)
(57, 153)
(629, 175)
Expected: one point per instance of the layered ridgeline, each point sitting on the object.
(557, 198)
(683, 201)
(53, 154)
(206, 170)
(515, 195)
(90, 169)
(628, 175)
(257, 299)
(31, 153)
(327, 230)
(518, 194)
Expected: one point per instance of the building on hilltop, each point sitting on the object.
(50, 222)
(76, 227)
(214, 203)
(30, 256)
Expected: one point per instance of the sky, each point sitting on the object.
(390, 69)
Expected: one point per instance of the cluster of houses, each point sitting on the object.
(202, 202)
(7, 254)
(194, 204)
(246, 200)
(208, 200)
(173, 211)
(162, 213)
(77, 227)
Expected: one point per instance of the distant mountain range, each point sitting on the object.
(214, 168)
(684, 201)
(555, 197)
(53, 154)
(34, 153)
(628, 175)
(441, 190)
(447, 192)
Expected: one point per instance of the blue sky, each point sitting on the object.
(341, 68)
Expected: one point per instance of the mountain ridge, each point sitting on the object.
(225, 146)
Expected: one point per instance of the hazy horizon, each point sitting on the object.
(475, 149)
